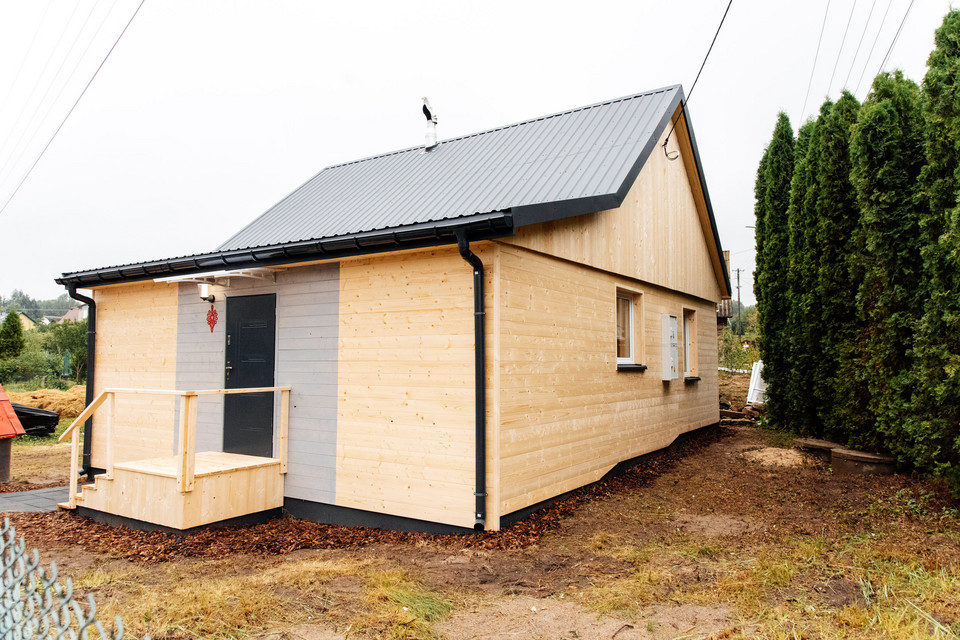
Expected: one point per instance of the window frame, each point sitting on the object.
(691, 365)
(634, 297)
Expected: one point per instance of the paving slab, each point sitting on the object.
(36, 500)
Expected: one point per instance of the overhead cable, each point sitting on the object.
(815, 58)
(873, 46)
(694, 85)
(66, 117)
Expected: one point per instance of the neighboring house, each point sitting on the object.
(76, 314)
(25, 321)
(465, 332)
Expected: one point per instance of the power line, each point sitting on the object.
(857, 52)
(873, 46)
(842, 42)
(80, 97)
(23, 62)
(815, 58)
(694, 85)
(895, 38)
(46, 93)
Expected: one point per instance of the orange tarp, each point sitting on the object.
(9, 423)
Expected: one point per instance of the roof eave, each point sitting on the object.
(483, 226)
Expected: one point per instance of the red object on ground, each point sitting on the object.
(10, 426)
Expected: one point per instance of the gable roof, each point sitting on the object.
(487, 184)
(574, 162)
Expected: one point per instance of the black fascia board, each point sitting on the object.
(706, 197)
(485, 226)
(550, 211)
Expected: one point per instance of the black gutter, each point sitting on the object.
(91, 367)
(481, 227)
(480, 373)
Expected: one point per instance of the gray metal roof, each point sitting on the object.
(569, 163)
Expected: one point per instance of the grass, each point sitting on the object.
(236, 599)
(33, 441)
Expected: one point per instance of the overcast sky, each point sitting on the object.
(209, 112)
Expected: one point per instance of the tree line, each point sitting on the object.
(53, 355)
(858, 267)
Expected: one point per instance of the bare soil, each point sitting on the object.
(716, 538)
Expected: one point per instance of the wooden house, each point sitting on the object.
(437, 339)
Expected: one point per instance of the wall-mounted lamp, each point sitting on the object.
(205, 294)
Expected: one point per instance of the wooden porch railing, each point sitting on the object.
(187, 429)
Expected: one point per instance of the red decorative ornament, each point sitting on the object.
(212, 318)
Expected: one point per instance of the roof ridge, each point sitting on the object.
(507, 126)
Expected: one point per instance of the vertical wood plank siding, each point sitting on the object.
(137, 347)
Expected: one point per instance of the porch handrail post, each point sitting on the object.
(186, 441)
(110, 419)
(74, 468)
(284, 420)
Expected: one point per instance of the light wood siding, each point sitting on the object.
(136, 348)
(566, 415)
(405, 432)
(656, 235)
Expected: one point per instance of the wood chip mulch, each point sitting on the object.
(16, 487)
(283, 535)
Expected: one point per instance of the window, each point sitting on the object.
(629, 341)
(690, 345)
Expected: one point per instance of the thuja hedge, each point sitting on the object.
(858, 267)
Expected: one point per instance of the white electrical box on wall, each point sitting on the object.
(671, 357)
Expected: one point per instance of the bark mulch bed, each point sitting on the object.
(15, 487)
(283, 535)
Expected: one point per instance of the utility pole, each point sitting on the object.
(739, 321)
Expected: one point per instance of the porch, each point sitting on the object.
(186, 488)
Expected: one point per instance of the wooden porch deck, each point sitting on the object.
(227, 485)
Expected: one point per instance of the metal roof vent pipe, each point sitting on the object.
(430, 138)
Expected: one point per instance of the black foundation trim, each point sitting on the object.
(139, 525)
(349, 517)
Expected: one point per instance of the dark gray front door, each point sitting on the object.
(250, 356)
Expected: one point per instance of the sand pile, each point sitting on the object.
(68, 403)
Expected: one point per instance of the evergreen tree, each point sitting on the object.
(843, 400)
(772, 265)
(887, 155)
(11, 335)
(760, 230)
(931, 439)
(808, 273)
(797, 389)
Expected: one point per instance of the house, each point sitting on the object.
(75, 314)
(437, 339)
(25, 321)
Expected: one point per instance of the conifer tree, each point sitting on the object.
(887, 154)
(797, 388)
(931, 439)
(772, 265)
(842, 400)
(12, 341)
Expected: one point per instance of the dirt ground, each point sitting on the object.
(723, 537)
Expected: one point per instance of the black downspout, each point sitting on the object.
(91, 362)
(480, 372)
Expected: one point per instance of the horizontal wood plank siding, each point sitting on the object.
(136, 347)
(657, 235)
(566, 415)
(405, 443)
